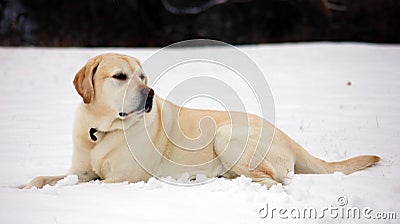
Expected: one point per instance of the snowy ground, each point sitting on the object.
(314, 105)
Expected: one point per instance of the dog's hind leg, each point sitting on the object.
(235, 146)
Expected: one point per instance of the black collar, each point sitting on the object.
(93, 131)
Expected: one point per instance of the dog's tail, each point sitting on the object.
(307, 163)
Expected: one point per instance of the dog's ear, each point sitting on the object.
(83, 80)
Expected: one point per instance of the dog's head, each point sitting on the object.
(114, 85)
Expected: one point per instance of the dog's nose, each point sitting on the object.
(148, 92)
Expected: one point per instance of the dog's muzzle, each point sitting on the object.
(145, 105)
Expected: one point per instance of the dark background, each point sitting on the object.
(162, 22)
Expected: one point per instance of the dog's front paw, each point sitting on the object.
(37, 182)
(41, 181)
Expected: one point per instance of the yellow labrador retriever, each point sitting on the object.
(124, 132)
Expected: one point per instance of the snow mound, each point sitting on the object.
(67, 181)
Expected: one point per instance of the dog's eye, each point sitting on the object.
(141, 76)
(120, 76)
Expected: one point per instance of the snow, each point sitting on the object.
(68, 181)
(315, 105)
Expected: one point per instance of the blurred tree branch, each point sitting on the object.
(337, 6)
